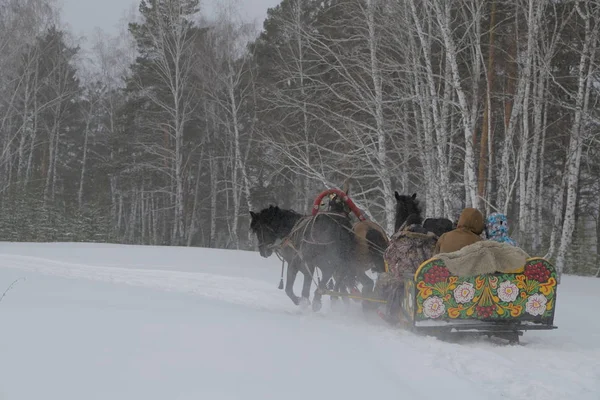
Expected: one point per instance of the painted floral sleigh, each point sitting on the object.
(501, 304)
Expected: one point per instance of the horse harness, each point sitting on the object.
(297, 233)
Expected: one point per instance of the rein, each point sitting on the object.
(288, 243)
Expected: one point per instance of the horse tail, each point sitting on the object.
(377, 243)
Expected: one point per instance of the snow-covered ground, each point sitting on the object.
(94, 321)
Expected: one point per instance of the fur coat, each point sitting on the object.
(484, 257)
(407, 250)
(469, 228)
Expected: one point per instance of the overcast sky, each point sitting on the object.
(83, 16)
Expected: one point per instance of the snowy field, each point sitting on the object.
(95, 321)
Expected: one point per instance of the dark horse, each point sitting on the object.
(371, 241)
(324, 240)
(408, 205)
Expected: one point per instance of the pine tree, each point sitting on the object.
(163, 96)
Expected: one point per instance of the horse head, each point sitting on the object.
(338, 205)
(405, 206)
(271, 224)
(263, 225)
(336, 202)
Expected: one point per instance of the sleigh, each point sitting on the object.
(501, 305)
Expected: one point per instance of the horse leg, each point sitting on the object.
(327, 270)
(345, 284)
(345, 299)
(292, 271)
(343, 281)
(350, 272)
(337, 288)
(306, 284)
(367, 284)
(367, 291)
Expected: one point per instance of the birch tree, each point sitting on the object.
(589, 14)
(533, 14)
(61, 87)
(165, 41)
(434, 97)
(232, 94)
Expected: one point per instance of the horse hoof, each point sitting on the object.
(335, 302)
(337, 305)
(304, 303)
(316, 305)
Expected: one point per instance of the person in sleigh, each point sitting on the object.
(409, 247)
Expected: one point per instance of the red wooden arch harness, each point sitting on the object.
(359, 214)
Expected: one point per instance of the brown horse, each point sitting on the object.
(372, 241)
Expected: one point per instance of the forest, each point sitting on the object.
(172, 131)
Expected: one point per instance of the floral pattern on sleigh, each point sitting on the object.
(528, 296)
